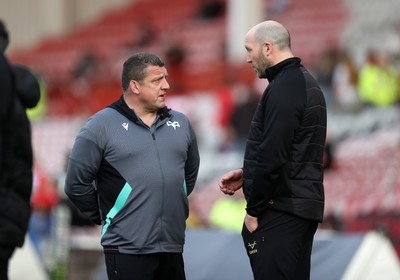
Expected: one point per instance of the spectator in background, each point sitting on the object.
(344, 84)
(44, 198)
(225, 95)
(323, 71)
(175, 56)
(85, 72)
(228, 213)
(19, 89)
(131, 169)
(211, 9)
(40, 110)
(86, 66)
(378, 81)
(241, 117)
(146, 33)
(88, 78)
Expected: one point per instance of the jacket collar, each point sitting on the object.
(121, 106)
(273, 71)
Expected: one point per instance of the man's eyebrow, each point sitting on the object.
(159, 77)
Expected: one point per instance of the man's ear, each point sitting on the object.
(134, 86)
(267, 48)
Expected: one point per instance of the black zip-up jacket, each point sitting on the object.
(19, 89)
(283, 160)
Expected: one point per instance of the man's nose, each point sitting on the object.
(165, 84)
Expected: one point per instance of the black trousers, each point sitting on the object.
(5, 256)
(160, 266)
(281, 247)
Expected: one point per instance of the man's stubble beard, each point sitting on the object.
(264, 64)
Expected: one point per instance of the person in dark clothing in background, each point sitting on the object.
(211, 9)
(241, 118)
(19, 89)
(282, 175)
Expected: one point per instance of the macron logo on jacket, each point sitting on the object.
(125, 125)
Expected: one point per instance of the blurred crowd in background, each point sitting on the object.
(361, 83)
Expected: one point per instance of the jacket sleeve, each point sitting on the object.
(83, 164)
(192, 162)
(7, 100)
(283, 108)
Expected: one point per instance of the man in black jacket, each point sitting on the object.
(282, 175)
(18, 90)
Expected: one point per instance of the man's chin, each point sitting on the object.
(161, 104)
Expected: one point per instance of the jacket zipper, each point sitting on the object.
(153, 130)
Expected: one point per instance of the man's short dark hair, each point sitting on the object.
(135, 67)
(4, 38)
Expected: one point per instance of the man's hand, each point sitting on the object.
(251, 223)
(231, 182)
